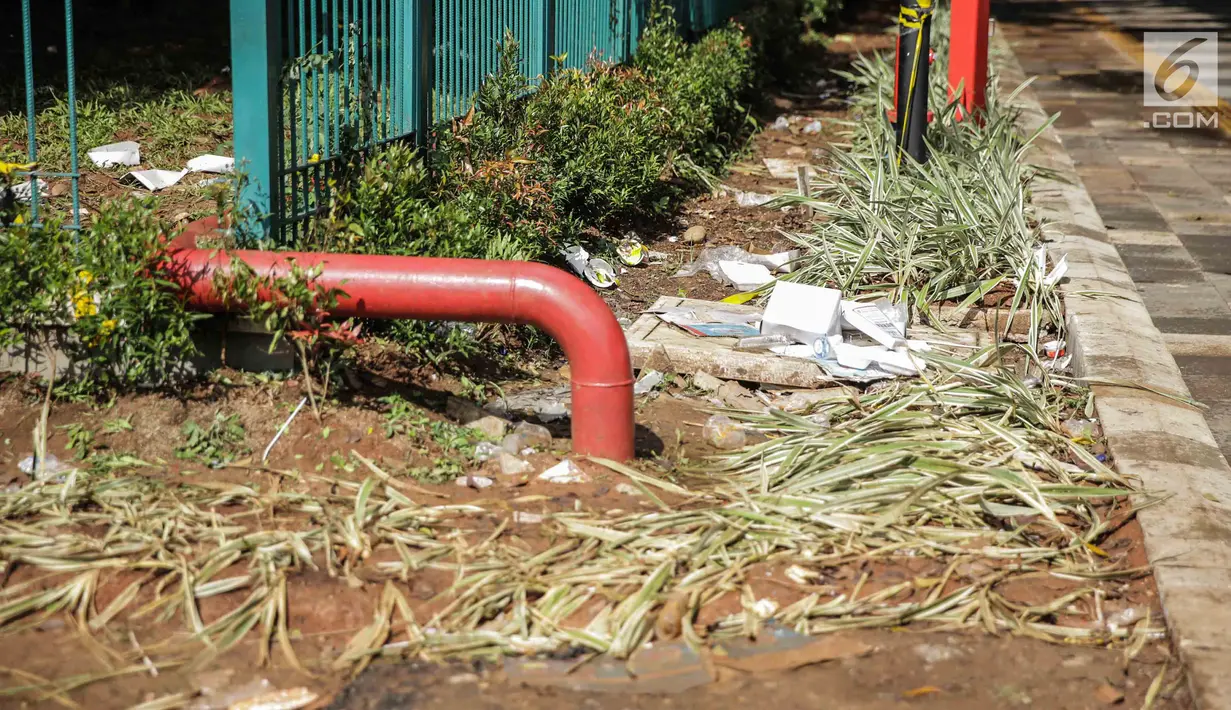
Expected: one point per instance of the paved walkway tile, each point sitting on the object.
(1164, 195)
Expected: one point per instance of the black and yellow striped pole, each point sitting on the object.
(910, 95)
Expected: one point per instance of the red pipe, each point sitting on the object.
(968, 30)
(473, 290)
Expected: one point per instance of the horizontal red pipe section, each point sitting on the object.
(474, 290)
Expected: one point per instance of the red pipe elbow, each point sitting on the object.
(472, 290)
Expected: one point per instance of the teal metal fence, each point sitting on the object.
(316, 80)
(32, 178)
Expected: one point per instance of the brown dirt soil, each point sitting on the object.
(907, 668)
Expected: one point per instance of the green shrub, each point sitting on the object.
(701, 85)
(109, 286)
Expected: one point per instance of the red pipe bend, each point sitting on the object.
(474, 290)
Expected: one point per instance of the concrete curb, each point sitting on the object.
(1164, 444)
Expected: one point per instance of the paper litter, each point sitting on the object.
(113, 154)
(211, 164)
(155, 180)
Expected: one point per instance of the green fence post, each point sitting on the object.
(549, 35)
(425, 69)
(256, 72)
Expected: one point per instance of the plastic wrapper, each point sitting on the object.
(723, 433)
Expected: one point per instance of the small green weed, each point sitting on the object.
(215, 445)
(80, 440)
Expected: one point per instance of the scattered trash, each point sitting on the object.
(710, 260)
(801, 400)
(577, 257)
(23, 191)
(486, 451)
(155, 180)
(780, 649)
(802, 312)
(1057, 272)
(510, 465)
(710, 322)
(1082, 430)
(282, 429)
(813, 127)
(564, 472)
(527, 518)
(782, 123)
(1054, 349)
(744, 276)
(879, 320)
(1124, 618)
(761, 342)
(472, 481)
(533, 435)
(47, 469)
(647, 382)
(694, 234)
(211, 164)
(114, 154)
(601, 274)
(723, 433)
(547, 403)
(631, 251)
(751, 199)
(212, 181)
(783, 168)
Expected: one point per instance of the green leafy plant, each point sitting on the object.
(106, 298)
(217, 444)
(403, 417)
(80, 440)
(294, 306)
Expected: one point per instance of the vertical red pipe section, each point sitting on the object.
(968, 30)
(472, 290)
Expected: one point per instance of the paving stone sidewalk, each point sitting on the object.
(1163, 194)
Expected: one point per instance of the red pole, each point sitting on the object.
(968, 29)
(473, 290)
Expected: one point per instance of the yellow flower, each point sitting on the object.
(108, 326)
(83, 304)
(10, 168)
(85, 277)
(316, 158)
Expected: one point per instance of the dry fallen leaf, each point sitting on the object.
(829, 648)
(921, 691)
(1108, 694)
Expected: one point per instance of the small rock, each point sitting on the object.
(59, 188)
(511, 465)
(181, 218)
(812, 128)
(493, 427)
(627, 489)
(474, 482)
(694, 234)
(706, 382)
(565, 372)
(464, 411)
(796, 151)
(461, 678)
(736, 395)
